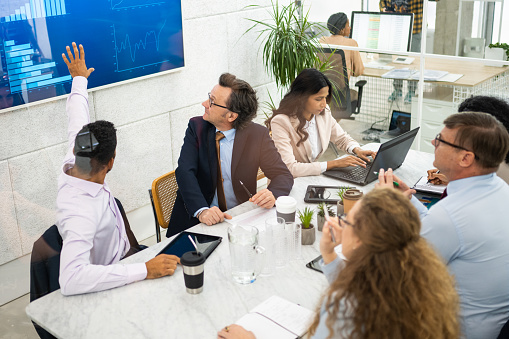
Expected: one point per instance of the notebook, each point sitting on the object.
(391, 154)
(277, 318)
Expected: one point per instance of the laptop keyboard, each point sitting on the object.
(356, 173)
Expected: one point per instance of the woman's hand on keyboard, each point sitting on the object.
(350, 160)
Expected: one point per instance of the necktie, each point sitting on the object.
(443, 194)
(221, 200)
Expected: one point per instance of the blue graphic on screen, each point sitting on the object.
(123, 39)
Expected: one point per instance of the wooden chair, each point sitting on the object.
(162, 196)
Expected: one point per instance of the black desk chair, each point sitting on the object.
(345, 101)
(45, 269)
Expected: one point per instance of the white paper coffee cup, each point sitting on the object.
(286, 208)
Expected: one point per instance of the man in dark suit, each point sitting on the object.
(243, 146)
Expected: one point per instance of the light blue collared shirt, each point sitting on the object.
(470, 230)
(226, 150)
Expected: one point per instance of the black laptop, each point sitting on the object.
(391, 154)
(400, 123)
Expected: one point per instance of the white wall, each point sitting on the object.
(151, 116)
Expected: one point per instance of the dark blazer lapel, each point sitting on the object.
(212, 153)
(238, 147)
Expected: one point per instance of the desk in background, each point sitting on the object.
(162, 308)
(440, 98)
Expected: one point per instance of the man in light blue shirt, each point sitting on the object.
(470, 226)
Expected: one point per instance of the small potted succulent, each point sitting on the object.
(341, 190)
(308, 229)
(320, 214)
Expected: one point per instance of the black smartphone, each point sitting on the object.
(314, 264)
(317, 193)
(181, 244)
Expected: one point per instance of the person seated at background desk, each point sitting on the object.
(207, 189)
(390, 266)
(339, 27)
(499, 108)
(303, 125)
(469, 227)
(95, 237)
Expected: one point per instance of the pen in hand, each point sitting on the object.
(326, 213)
(245, 188)
(429, 180)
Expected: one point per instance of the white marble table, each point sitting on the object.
(162, 308)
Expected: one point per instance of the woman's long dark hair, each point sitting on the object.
(310, 81)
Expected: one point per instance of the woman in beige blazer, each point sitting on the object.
(302, 127)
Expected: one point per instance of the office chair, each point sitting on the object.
(45, 269)
(345, 101)
(162, 196)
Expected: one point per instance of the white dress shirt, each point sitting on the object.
(89, 221)
(314, 140)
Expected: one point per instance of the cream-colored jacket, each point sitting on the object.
(298, 159)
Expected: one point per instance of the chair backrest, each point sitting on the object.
(340, 105)
(164, 193)
(45, 269)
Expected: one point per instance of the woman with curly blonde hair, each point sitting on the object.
(391, 285)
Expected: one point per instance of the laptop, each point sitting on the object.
(400, 123)
(391, 154)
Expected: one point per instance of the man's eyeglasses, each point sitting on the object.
(438, 140)
(342, 219)
(212, 103)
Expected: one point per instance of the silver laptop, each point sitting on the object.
(391, 154)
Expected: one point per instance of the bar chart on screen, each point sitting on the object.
(26, 10)
(25, 73)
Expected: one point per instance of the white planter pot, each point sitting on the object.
(494, 54)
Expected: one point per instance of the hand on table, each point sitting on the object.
(264, 199)
(235, 332)
(387, 179)
(213, 216)
(364, 154)
(77, 66)
(437, 178)
(326, 244)
(162, 265)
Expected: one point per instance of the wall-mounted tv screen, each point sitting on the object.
(123, 39)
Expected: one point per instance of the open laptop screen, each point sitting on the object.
(400, 120)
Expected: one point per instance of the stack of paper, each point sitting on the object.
(430, 75)
(399, 73)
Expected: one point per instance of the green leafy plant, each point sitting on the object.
(504, 46)
(321, 206)
(306, 216)
(288, 48)
(341, 191)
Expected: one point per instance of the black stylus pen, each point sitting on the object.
(245, 188)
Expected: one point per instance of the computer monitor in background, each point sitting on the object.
(384, 31)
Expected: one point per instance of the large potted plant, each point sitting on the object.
(308, 229)
(288, 46)
(320, 214)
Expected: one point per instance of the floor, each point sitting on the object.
(15, 324)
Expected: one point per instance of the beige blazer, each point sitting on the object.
(298, 159)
